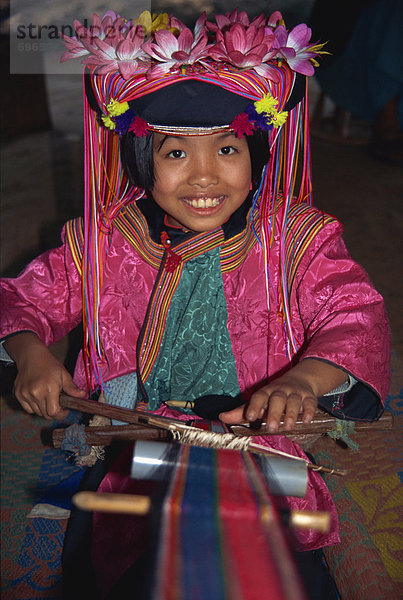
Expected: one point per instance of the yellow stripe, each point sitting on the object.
(303, 224)
(133, 226)
(75, 239)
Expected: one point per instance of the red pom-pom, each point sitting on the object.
(242, 126)
(139, 127)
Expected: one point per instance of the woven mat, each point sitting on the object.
(367, 565)
(31, 472)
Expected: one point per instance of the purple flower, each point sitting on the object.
(294, 47)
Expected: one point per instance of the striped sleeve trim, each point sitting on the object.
(74, 230)
(303, 224)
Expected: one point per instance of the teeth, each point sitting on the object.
(203, 202)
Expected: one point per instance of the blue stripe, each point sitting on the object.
(199, 531)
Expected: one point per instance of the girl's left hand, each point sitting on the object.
(297, 391)
(286, 395)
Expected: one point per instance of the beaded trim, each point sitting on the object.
(183, 131)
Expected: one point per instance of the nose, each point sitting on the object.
(203, 170)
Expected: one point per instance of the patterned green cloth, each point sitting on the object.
(195, 356)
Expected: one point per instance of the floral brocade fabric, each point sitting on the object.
(195, 357)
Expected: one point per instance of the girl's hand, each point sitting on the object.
(295, 392)
(41, 377)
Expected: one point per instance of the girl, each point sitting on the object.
(200, 266)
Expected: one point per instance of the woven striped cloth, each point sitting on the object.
(220, 535)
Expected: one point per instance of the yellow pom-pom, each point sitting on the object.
(266, 105)
(108, 122)
(116, 108)
(278, 119)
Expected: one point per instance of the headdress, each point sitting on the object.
(254, 71)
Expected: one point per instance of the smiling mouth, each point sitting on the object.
(205, 202)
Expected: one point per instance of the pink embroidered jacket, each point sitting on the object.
(337, 316)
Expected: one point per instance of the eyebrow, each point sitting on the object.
(226, 134)
(221, 136)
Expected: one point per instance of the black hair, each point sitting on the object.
(137, 154)
(258, 145)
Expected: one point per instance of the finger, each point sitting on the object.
(71, 389)
(277, 402)
(53, 408)
(309, 406)
(232, 417)
(38, 403)
(27, 402)
(26, 406)
(35, 406)
(29, 396)
(293, 407)
(37, 397)
(257, 405)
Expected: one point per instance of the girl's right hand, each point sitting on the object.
(41, 377)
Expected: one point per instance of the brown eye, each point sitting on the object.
(226, 150)
(176, 154)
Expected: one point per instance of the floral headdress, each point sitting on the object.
(126, 60)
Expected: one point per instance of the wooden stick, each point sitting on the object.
(104, 436)
(130, 504)
(322, 423)
(305, 519)
(106, 410)
(177, 428)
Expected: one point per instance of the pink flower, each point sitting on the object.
(259, 21)
(129, 53)
(224, 22)
(200, 27)
(74, 47)
(274, 18)
(101, 28)
(105, 43)
(294, 47)
(242, 126)
(265, 69)
(242, 47)
(171, 52)
(110, 28)
(126, 57)
(103, 56)
(175, 23)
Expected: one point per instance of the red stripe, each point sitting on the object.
(171, 563)
(249, 562)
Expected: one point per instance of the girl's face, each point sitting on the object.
(200, 180)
